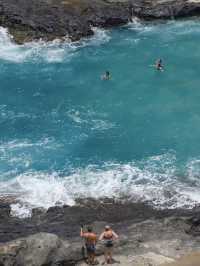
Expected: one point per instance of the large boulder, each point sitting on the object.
(41, 249)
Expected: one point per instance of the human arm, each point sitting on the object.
(101, 237)
(115, 236)
(96, 240)
(82, 234)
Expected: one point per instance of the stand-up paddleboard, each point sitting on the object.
(160, 69)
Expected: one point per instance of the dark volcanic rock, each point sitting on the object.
(164, 236)
(168, 10)
(194, 225)
(35, 19)
(4, 211)
(49, 19)
(59, 243)
(65, 221)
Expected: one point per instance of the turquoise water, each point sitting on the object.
(65, 133)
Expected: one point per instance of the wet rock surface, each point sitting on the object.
(49, 238)
(65, 221)
(29, 20)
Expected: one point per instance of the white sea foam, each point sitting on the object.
(5, 114)
(14, 144)
(137, 25)
(15, 155)
(101, 36)
(134, 23)
(193, 171)
(153, 180)
(171, 27)
(90, 119)
(59, 51)
(50, 52)
(184, 27)
(10, 51)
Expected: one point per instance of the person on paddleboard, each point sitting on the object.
(159, 65)
(106, 76)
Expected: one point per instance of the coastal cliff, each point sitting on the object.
(51, 238)
(29, 20)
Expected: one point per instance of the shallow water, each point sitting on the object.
(65, 133)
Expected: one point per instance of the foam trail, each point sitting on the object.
(95, 123)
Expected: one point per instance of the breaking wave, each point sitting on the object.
(154, 181)
(50, 52)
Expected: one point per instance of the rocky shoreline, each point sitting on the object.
(29, 20)
(51, 237)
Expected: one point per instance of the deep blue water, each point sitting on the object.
(65, 133)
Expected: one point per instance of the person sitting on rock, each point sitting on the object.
(90, 243)
(108, 237)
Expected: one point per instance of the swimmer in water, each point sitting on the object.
(106, 76)
(159, 65)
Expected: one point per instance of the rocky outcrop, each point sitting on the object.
(168, 9)
(49, 19)
(48, 250)
(41, 249)
(23, 244)
(67, 220)
(194, 225)
(139, 245)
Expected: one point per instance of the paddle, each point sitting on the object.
(83, 247)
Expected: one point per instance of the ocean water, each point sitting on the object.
(65, 133)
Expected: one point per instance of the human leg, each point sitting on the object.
(109, 254)
(106, 254)
(91, 255)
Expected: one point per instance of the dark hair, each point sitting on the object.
(107, 73)
(89, 229)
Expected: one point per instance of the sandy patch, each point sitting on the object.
(192, 259)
